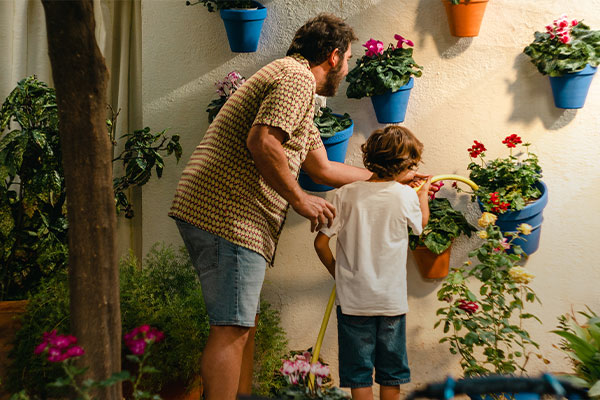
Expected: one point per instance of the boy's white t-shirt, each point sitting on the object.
(372, 220)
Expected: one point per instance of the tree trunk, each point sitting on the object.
(80, 78)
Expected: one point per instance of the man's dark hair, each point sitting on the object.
(321, 35)
(390, 151)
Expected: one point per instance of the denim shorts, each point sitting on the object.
(231, 276)
(367, 342)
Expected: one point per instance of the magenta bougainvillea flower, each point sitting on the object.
(59, 347)
(476, 149)
(139, 338)
(401, 40)
(512, 141)
(374, 47)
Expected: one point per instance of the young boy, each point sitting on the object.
(372, 223)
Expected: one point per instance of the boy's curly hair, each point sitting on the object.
(390, 151)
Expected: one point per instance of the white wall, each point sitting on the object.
(480, 88)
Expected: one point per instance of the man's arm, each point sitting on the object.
(264, 143)
(331, 173)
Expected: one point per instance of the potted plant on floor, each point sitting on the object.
(386, 76)
(581, 343)
(511, 188)
(465, 16)
(485, 327)
(243, 21)
(336, 130)
(569, 53)
(432, 248)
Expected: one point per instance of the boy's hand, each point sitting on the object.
(428, 188)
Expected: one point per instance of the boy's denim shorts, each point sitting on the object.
(231, 276)
(367, 342)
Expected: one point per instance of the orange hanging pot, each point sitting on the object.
(431, 265)
(465, 18)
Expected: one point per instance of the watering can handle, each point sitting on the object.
(317, 348)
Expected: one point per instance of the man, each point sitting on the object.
(234, 193)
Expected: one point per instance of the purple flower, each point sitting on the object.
(402, 40)
(137, 346)
(374, 47)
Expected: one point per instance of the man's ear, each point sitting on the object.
(334, 58)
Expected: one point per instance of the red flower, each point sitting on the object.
(512, 140)
(476, 149)
(470, 307)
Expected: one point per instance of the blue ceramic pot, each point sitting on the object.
(570, 90)
(336, 147)
(531, 214)
(243, 27)
(390, 108)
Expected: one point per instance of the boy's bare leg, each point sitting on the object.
(245, 386)
(222, 360)
(389, 392)
(363, 393)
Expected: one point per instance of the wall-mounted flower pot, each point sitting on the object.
(390, 108)
(336, 147)
(531, 214)
(570, 90)
(431, 265)
(465, 18)
(243, 27)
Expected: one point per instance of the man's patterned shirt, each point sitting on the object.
(220, 190)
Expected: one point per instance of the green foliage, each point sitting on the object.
(329, 123)
(214, 107)
(381, 73)
(33, 224)
(143, 151)
(486, 328)
(213, 5)
(33, 212)
(581, 342)
(444, 225)
(303, 393)
(513, 180)
(554, 58)
(165, 294)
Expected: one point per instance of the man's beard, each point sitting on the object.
(332, 82)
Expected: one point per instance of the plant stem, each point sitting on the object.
(73, 383)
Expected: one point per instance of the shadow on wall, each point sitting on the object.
(532, 98)
(431, 21)
(422, 353)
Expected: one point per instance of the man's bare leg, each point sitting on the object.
(222, 361)
(245, 386)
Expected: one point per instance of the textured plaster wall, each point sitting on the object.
(480, 88)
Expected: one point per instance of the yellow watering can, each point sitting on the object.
(317, 349)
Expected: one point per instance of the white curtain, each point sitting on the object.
(24, 51)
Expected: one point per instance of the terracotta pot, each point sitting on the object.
(465, 18)
(176, 391)
(10, 311)
(431, 265)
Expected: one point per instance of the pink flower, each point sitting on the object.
(374, 47)
(402, 40)
(74, 351)
(58, 347)
(504, 243)
(565, 39)
(140, 337)
(137, 346)
(574, 22)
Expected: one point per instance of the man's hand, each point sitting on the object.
(319, 211)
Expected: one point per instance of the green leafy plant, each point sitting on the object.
(165, 294)
(214, 5)
(445, 224)
(33, 213)
(567, 46)
(380, 71)
(33, 223)
(486, 329)
(581, 342)
(505, 183)
(225, 88)
(329, 123)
